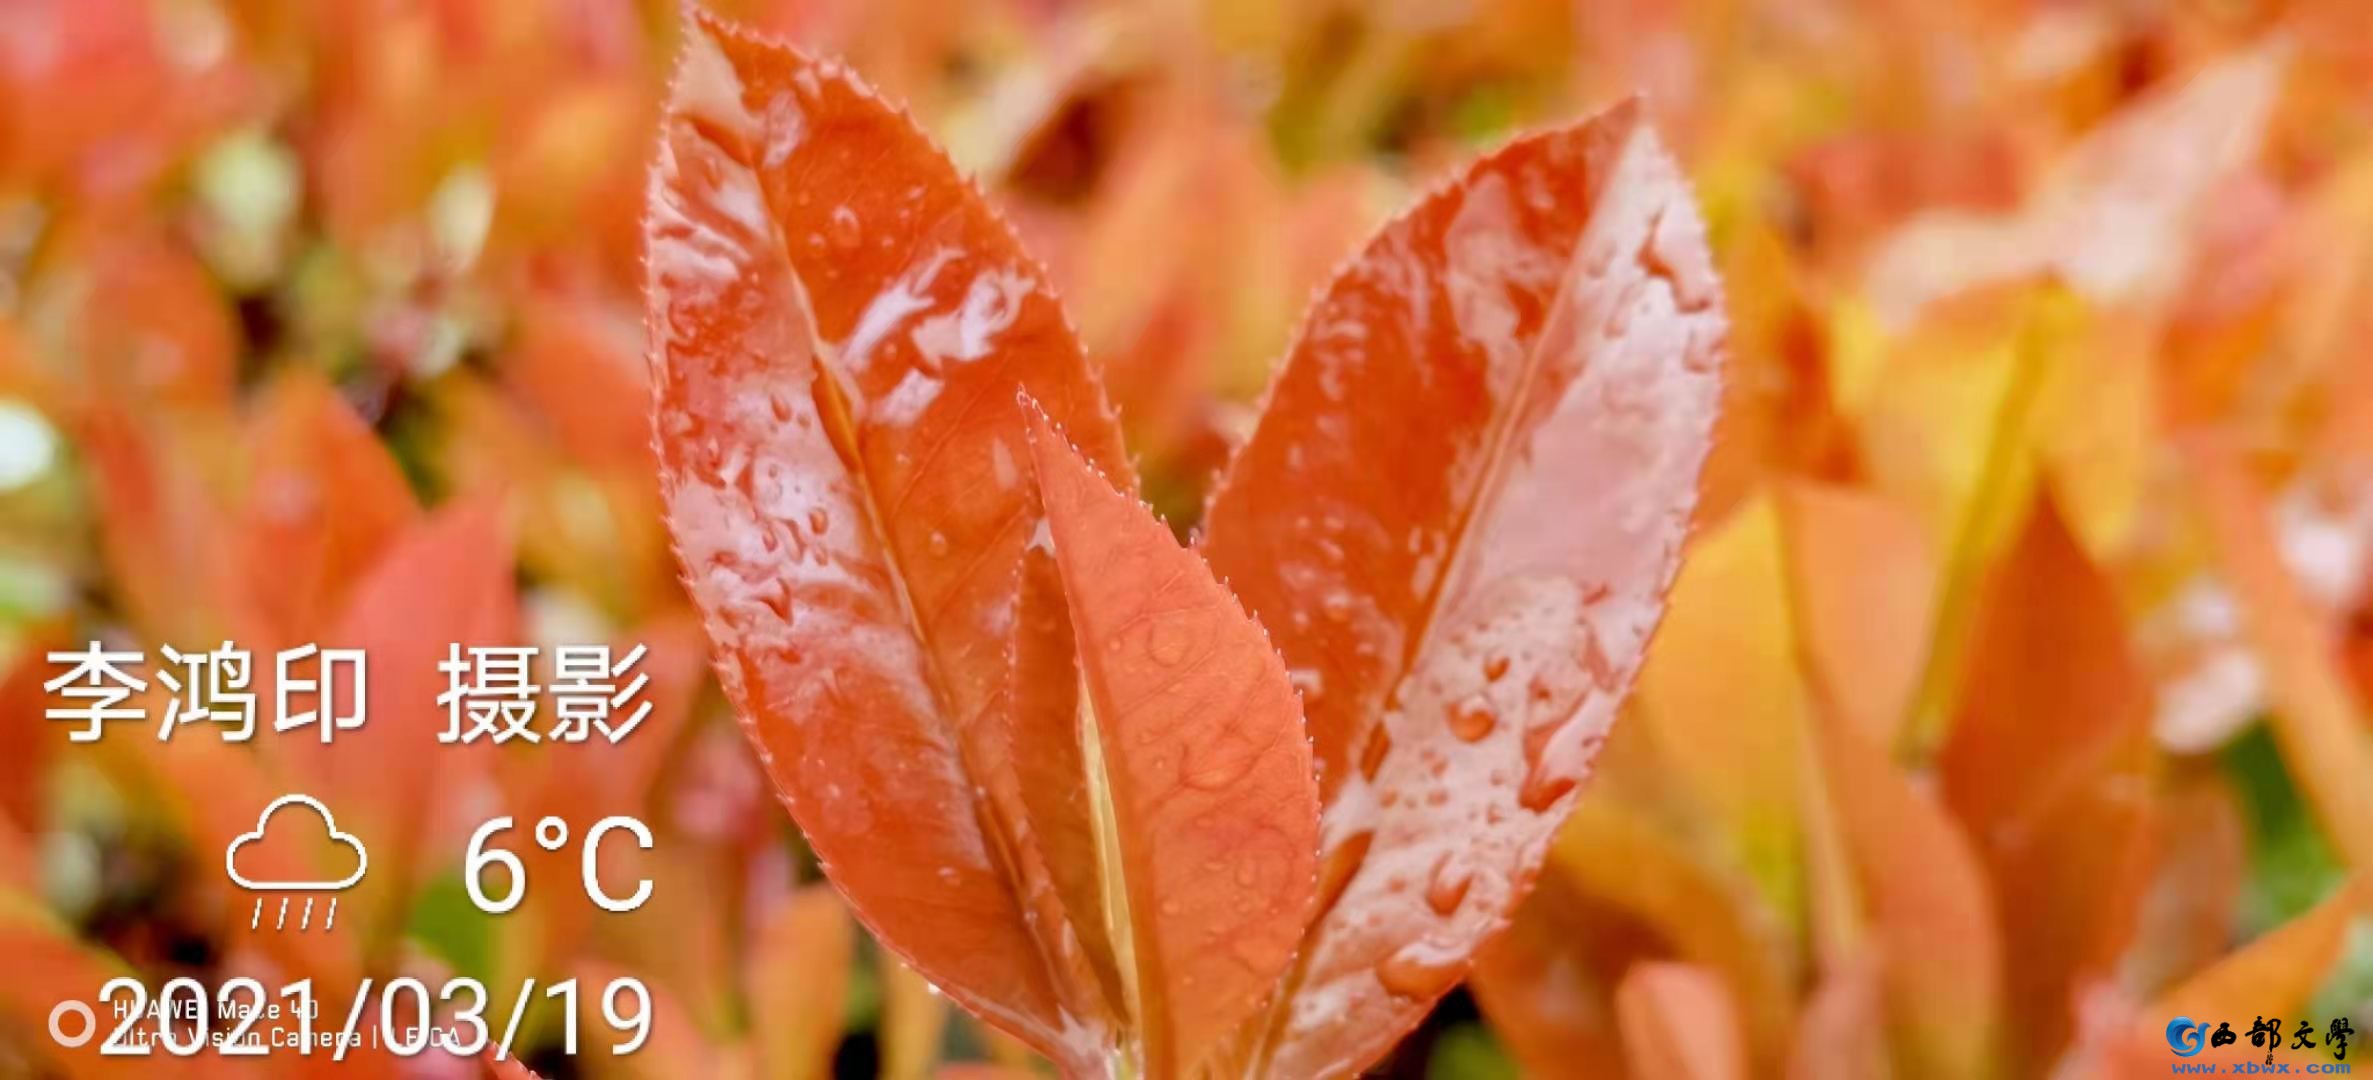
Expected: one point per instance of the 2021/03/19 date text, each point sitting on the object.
(404, 1016)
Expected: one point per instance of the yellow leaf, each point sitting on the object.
(1722, 694)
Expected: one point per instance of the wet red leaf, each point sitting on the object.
(1198, 740)
(1458, 518)
(1033, 759)
(839, 324)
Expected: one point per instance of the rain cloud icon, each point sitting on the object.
(311, 815)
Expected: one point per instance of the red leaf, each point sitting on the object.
(1635, 868)
(2117, 217)
(2047, 768)
(26, 747)
(1458, 517)
(838, 326)
(1547, 984)
(1035, 761)
(447, 581)
(47, 966)
(155, 328)
(1864, 588)
(1933, 928)
(1679, 1020)
(1197, 733)
(1842, 1030)
(2199, 865)
(20, 869)
(2275, 975)
(2278, 972)
(575, 363)
(323, 498)
(165, 563)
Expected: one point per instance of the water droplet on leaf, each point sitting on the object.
(1448, 887)
(1167, 642)
(1420, 971)
(1473, 718)
(845, 231)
